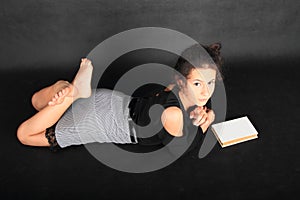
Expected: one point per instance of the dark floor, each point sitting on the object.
(268, 167)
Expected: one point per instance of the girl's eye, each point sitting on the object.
(211, 82)
(197, 84)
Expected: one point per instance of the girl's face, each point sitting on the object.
(200, 86)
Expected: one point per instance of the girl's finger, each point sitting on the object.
(191, 115)
(204, 119)
(200, 119)
(194, 113)
(199, 115)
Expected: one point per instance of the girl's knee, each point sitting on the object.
(34, 101)
(21, 135)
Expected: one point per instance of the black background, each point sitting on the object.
(43, 41)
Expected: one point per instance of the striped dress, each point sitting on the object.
(101, 118)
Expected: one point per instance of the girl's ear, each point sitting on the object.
(215, 47)
(179, 81)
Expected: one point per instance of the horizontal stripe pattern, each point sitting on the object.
(101, 118)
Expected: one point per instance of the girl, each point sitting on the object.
(119, 118)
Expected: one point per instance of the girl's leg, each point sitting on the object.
(41, 98)
(32, 131)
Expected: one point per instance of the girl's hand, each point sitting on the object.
(209, 120)
(198, 115)
(202, 117)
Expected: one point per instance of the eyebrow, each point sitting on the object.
(202, 80)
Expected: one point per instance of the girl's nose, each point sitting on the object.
(205, 90)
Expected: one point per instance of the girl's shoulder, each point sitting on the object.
(172, 120)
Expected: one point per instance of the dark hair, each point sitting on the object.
(195, 57)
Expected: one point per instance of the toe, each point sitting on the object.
(67, 89)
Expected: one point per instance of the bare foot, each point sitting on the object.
(169, 87)
(65, 90)
(82, 80)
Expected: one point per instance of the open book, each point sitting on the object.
(234, 131)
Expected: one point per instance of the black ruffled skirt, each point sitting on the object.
(50, 135)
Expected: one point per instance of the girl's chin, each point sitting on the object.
(201, 103)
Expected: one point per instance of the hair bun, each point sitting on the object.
(216, 47)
